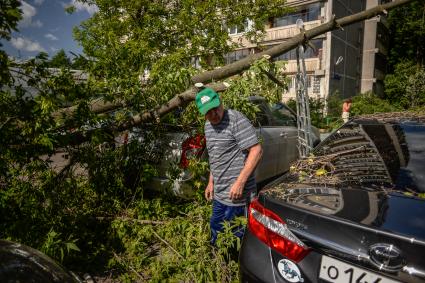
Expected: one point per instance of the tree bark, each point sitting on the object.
(237, 67)
(96, 106)
(179, 100)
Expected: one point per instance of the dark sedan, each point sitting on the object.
(352, 212)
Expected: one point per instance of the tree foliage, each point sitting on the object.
(369, 103)
(407, 34)
(85, 212)
(94, 212)
(405, 87)
(128, 39)
(60, 60)
(10, 14)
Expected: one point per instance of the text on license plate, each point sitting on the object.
(333, 270)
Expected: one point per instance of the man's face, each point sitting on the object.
(215, 115)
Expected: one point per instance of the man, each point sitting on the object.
(346, 106)
(234, 152)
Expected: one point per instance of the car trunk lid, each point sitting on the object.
(354, 224)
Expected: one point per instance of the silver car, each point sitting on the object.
(276, 128)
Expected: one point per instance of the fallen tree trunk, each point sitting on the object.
(178, 101)
(182, 99)
(241, 65)
(101, 106)
(96, 106)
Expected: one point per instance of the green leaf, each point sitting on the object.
(46, 141)
(72, 246)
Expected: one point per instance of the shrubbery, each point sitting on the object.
(405, 88)
(101, 224)
(369, 103)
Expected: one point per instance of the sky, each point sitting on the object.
(46, 27)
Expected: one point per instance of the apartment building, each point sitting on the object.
(348, 61)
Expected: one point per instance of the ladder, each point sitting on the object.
(305, 139)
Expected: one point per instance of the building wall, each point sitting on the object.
(375, 50)
(361, 45)
(347, 43)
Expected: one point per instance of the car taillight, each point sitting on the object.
(192, 148)
(272, 230)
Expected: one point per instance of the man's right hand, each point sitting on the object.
(209, 192)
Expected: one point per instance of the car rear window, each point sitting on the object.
(379, 153)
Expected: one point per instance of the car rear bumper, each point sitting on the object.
(255, 261)
(258, 263)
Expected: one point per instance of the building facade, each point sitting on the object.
(348, 61)
(375, 51)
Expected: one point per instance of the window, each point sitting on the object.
(283, 116)
(307, 14)
(240, 29)
(380, 63)
(316, 85)
(236, 30)
(309, 53)
(236, 55)
(382, 34)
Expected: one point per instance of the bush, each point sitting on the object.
(102, 223)
(369, 103)
(405, 88)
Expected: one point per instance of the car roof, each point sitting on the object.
(391, 117)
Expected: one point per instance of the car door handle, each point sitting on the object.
(283, 134)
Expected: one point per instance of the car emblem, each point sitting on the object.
(386, 257)
(289, 271)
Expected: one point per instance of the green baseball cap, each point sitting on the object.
(206, 100)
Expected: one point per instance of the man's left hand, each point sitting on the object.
(236, 190)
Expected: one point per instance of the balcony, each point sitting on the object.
(311, 65)
(274, 35)
(279, 33)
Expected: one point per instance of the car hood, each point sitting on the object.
(378, 208)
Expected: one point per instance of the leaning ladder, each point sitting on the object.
(305, 140)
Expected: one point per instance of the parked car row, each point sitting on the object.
(352, 213)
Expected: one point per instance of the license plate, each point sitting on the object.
(333, 270)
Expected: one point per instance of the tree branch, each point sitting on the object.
(237, 67)
(241, 65)
(100, 106)
(96, 106)
(140, 221)
(165, 242)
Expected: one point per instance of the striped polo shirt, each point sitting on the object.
(227, 144)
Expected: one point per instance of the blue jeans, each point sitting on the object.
(221, 213)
